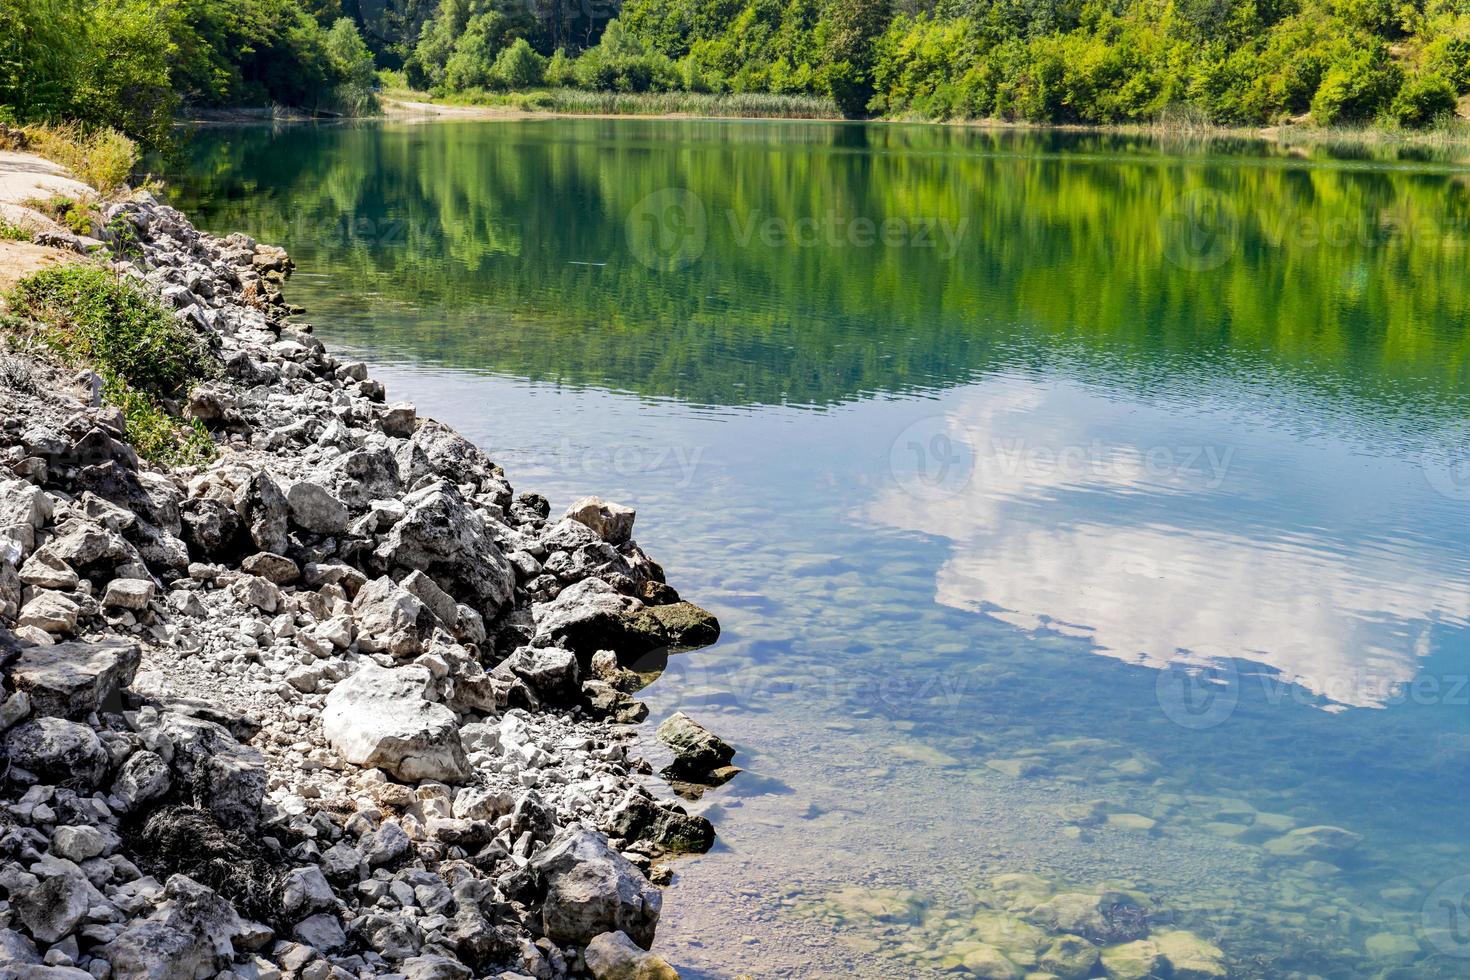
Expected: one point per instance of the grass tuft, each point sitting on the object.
(103, 158)
(145, 356)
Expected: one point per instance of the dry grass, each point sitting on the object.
(103, 158)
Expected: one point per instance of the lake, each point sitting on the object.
(1086, 515)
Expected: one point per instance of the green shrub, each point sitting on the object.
(103, 158)
(1422, 99)
(145, 356)
(1356, 88)
(107, 320)
(156, 434)
(78, 216)
(12, 233)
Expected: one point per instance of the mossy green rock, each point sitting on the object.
(1019, 940)
(1137, 960)
(1190, 957)
(880, 904)
(1078, 913)
(1069, 957)
(1313, 842)
(986, 962)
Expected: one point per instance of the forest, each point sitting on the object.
(131, 64)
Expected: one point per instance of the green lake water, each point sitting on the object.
(1084, 514)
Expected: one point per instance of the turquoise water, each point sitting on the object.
(1083, 508)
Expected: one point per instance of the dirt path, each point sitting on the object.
(24, 177)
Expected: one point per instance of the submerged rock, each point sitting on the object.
(1192, 958)
(697, 751)
(1313, 842)
(1138, 960)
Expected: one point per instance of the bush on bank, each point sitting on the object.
(146, 358)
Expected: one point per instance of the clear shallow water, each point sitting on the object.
(1142, 483)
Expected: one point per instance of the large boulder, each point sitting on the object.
(53, 908)
(50, 612)
(552, 673)
(142, 778)
(438, 450)
(57, 751)
(677, 624)
(364, 475)
(267, 510)
(72, 680)
(613, 956)
(382, 718)
(313, 508)
(390, 619)
(592, 889)
(23, 504)
(443, 537)
(151, 950)
(585, 618)
(637, 817)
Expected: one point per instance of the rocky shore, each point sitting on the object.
(339, 703)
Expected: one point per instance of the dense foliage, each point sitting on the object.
(1093, 61)
(128, 64)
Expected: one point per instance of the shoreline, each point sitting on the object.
(420, 108)
(338, 702)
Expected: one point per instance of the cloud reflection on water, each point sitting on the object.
(1112, 519)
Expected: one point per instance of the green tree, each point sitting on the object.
(849, 30)
(519, 67)
(353, 64)
(40, 42)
